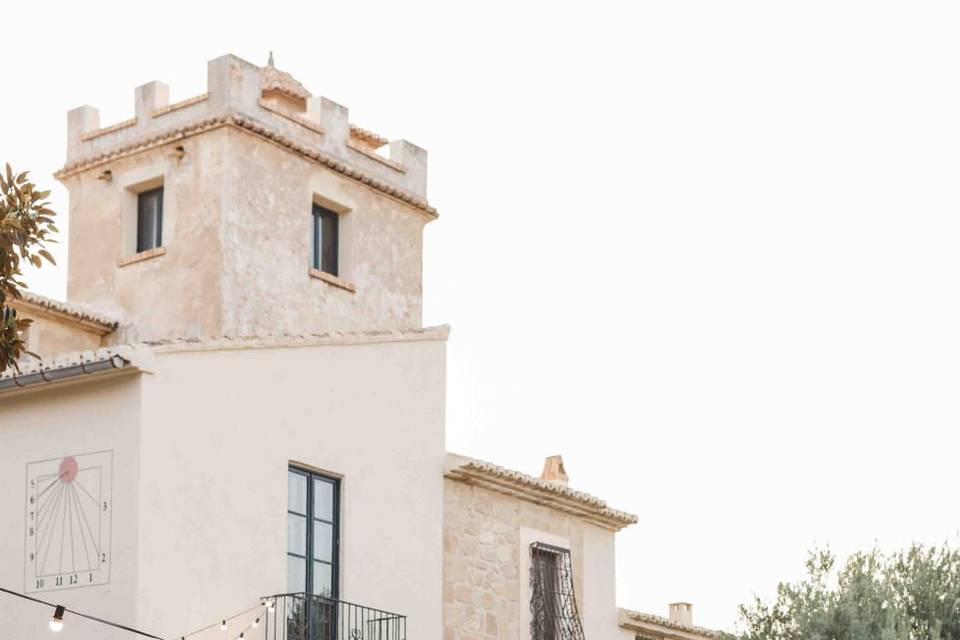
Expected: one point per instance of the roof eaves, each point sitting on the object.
(89, 318)
(70, 366)
(629, 618)
(557, 496)
(277, 341)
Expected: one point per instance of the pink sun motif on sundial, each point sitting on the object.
(68, 469)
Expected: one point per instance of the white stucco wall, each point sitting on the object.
(599, 584)
(53, 423)
(220, 430)
(201, 446)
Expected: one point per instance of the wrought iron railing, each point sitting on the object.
(302, 616)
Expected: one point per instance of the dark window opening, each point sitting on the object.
(326, 240)
(149, 219)
(553, 605)
(313, 534)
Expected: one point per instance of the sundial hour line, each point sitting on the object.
(95, 501)
(51, 508)
(42, 508)
(63, 528)
(73, 545)
(86, 523)
(53, 482)
(50, 521)
(83, 537)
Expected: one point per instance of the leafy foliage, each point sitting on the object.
(26, 224)
(908, 595)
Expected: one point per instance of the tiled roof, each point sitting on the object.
(372, 139)
(140, 353)
(554, 495)
(627, 615)
(275, 80)
(80, 313)
(227, 343)
(72, 365)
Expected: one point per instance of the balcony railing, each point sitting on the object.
(302, 616)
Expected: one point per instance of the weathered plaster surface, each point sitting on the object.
(49, 336)
(267, 248)
(240, 172)
(177, 293)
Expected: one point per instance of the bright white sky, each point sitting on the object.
(705, 250)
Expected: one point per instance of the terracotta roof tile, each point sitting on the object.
(661, 621)
(79, 312)
(275, 80)
(372, 139)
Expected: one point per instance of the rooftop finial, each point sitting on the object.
(270, 60)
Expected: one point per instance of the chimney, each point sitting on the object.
(553, 470)
(681, 613)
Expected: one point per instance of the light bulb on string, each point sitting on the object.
(56, 622)
(256, 623)
(223, 626)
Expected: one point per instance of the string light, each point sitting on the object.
(59, 611)
(56, 622)
(224, 626)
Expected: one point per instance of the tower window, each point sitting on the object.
(326, 240)
(149, 219)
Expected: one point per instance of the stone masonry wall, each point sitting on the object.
(485, 567)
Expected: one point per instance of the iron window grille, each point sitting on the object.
(150, 219)
(553, 604)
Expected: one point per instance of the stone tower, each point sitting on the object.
(253, 208)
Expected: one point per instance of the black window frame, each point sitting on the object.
(157, 240)
(309, 559)
(326, 240)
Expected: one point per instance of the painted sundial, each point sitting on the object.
(68, 514)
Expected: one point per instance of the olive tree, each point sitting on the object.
(26, 226)
(912, 594)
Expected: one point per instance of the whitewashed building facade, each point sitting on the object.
(239, 405)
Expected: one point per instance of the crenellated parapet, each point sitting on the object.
(262, 101)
